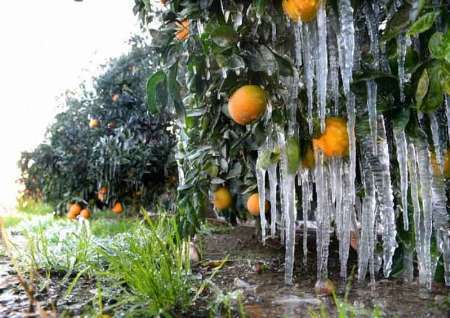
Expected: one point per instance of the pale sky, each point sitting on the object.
(47, 47)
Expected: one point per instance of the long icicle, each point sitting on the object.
(402, 158)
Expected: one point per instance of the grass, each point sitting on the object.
(142, 266)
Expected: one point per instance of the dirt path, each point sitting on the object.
(267, 296)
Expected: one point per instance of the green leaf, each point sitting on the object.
(398, 23)
(424, 23)
(401, 118)
(152, 86)
(422, 88)
(435, 45)
(293, 155)
(435, 96)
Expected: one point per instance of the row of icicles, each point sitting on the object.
(328, 186)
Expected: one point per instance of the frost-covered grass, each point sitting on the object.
(141, 265)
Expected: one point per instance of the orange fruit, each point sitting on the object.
(253, 204)
(305, 10)
(75, 209)
(291, 10)
(85, 213)
(71, 215)
(324, 287)
(94, 123)
(163, 2)
(117, 208)
(182, 30)
(334, 140)
(222, 198)
(308, 161)
(247, 104)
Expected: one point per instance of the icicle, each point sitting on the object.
(372, 111)
(401, 56)
(434, 125)
(345, 214)
(306, 207)
(298, 44)
(274, 32)
(351, 113)
(261, 181)
(419, 167)
(386, 200)
(380, 167)
(273, 184)
(308, 36)
(366, 246)
(288, 210)
(322, 63)
(446, 256)
(447, 112)
(333, 62)
(402, 158)
(322, 217)
(347, 42)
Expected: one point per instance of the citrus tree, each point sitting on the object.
(105, 146)
(348, 96)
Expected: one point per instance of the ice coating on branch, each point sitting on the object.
(306, 207)
(401, 147)
(372, 111)
(273, 186)
(347, 42)
(401, 56)
(308, 39)
(261, 181)
(322, 63)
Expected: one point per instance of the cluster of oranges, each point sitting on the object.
(223, 200)
(76, 210)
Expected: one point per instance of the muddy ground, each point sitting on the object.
(256, 270)
(267, 296)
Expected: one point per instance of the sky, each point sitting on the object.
(48, 47)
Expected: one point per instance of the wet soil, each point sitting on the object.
(259, 272)
(254, 269)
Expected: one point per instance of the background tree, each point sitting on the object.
(105, 137)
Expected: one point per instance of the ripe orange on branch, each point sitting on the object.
(304, 10)
(222, 198)
(94, 123)
(253, 204)
(334, 140)
(247, 104)
(182, 30)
